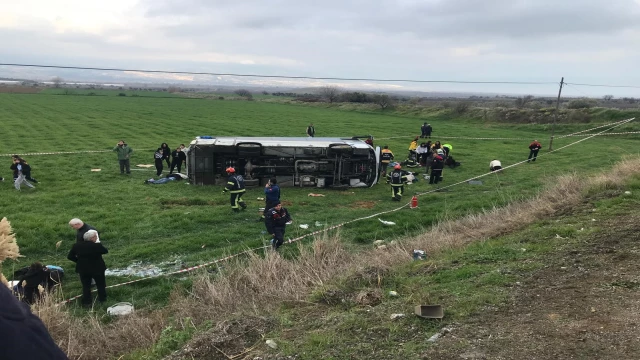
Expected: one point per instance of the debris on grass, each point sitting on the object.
(388, 223)
(315, 195)
(397, 316)
(304, 226)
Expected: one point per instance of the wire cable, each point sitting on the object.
(280, 76)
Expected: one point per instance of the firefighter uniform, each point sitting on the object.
(235, 185)
(397, 178)
(386, 157)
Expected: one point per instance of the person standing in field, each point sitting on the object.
(386, 157)
(428, 131)
(423, 130)
(90, 266)
(124, 154)
(271, 195)
(166, 153)
(81, 228)
(177, 158)
(397, 178)
(534, 147)
(311, 131)
(276, 222)
(235, 185)
(436, 167)
(18, 174)
(158, 157)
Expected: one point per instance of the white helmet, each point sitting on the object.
(440, 152)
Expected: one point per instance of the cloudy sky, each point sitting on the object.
(586, 41)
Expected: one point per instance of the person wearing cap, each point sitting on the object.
(397, 178)
(534, 147)
(436, 167)
(235, 185)
(276, 222)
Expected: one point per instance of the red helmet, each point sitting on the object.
(231, 170)
(397, 167)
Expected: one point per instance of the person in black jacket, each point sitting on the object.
(276, 222)
(81, 228)
(26, 169)
(36, 275)
(158, 157)
(166, 153)
(311, 130)
(23, 334)
(178, 157)
(89, 265)
(19, 177)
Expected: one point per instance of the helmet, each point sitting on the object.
(440, 152)
(231, 170)
(397, 167)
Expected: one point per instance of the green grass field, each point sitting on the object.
(152, 224)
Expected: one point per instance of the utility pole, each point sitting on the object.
(555, 115)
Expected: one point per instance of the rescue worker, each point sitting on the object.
(428, 131)
(271, 195)
(423, 130)
(436, 167)
(276, 222)
(397, 178)
(386, 157)
(534, 147)
(412, 149)
(235, 185)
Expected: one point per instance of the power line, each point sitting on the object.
(604, 85)
(281, 76)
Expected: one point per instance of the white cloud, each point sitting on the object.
(529, 40)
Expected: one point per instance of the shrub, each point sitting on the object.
(122, 94)
(220, 97)
(580, 104)
(461, 107)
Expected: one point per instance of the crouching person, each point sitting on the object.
(276, 222)
(89, 265)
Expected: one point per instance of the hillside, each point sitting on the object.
(563, 287)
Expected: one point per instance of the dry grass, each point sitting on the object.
(258, 285)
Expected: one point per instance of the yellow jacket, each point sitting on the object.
(413, 145)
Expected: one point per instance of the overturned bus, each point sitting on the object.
(293, 161)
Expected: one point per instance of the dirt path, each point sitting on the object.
(585, 304)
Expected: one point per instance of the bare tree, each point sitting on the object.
(244, 93)
(608, 97)
(523, 101)
(384, 101)
(330, 93)
(57, 81)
